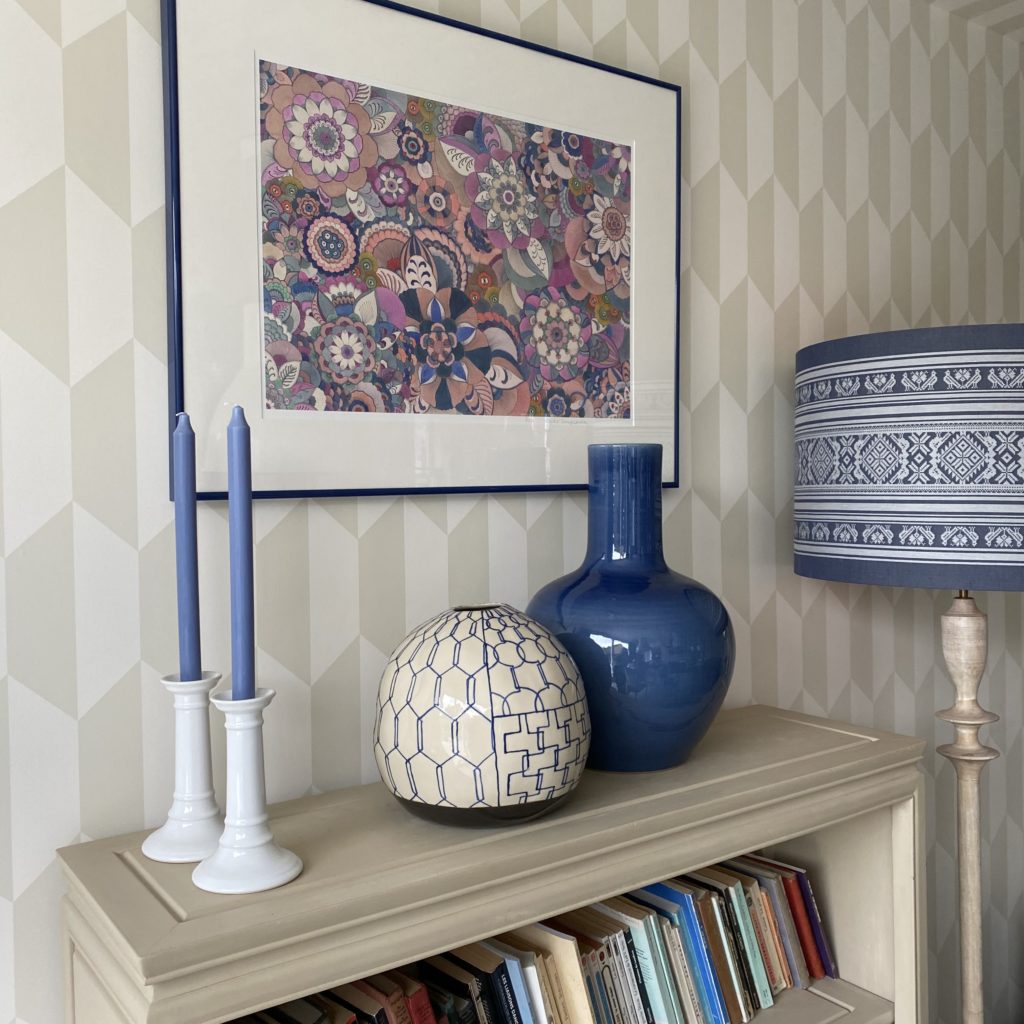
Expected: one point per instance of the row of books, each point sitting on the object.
(713, 946)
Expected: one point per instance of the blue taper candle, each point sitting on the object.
(185, 549)
(243, 639)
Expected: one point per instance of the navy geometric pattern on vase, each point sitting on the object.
(481, 710)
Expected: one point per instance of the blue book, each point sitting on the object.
(708, 990)
(515, 974)
(599, 1000)
(732, 891)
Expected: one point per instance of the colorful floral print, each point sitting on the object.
(421, 257)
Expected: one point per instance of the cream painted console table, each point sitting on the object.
(382, 888)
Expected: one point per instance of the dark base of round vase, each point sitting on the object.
(619, 767)
(482, 817)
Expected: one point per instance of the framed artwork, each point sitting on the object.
(423, 257)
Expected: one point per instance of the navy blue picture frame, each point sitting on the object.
(175, 334)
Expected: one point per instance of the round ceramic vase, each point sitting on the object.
(481, 718)
(655, 648)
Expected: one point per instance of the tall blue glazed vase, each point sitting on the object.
(655, 648)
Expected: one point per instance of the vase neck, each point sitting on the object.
(624, 507)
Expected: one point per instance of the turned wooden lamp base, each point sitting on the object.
(965, 646)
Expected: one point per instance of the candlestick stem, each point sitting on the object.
(193, 824)
(246, 859)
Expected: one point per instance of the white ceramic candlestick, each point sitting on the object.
(193, 824)
(247, 859)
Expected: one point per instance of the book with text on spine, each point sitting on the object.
(526, 983)
(602, 987)
(670, 920)
(543, 963)
(772, 883)
(389, 993)
(493, 973)
(817, 926)
(568, 971)
(695, 943)
(771, 954)
(614, 975)
(645, 953)
(664, 979)
(624, 951)
(733, 891)
(417, 999)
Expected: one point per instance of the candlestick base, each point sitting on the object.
(246, 859)
(194, 823)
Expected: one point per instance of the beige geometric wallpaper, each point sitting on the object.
(848, 165)
(1003, 16)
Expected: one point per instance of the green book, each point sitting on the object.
(662, 959)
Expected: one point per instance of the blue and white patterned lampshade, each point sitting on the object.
(910, 458)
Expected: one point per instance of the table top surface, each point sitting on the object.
(365, 856)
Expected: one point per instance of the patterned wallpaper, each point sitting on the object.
(849, 165)
(1003, 16)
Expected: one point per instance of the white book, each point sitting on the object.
(551, 986)
(566, 955)
(627, 978)
(528, 965)
(684, 979)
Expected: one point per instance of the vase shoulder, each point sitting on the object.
(655, 649)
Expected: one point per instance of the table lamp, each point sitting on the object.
(910, 473)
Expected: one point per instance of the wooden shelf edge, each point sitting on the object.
(826, 1001)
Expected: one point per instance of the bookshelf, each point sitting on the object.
(382, 888)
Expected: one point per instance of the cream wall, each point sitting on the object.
(849, 165)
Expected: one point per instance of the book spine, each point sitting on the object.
(761, 986)
(733, 959)
(666, 981)
(552, 1008)
(795, 898)
(599, 1001)
(725, 904)
(685, 983)
(790, 937)
(776, 937)
(493, 999)
(418, 1005)
(384, 1014)
(509, 1004)
(636, 979)
(618, 957)
(705, 970)
(752, 896)
(716, 949)
(605, 975)
(480, 992)
(827, 963)
(399, 1010)
(644, 962)
(555, 984)
(526, 990)
(442, 1004)
(483, 1010)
